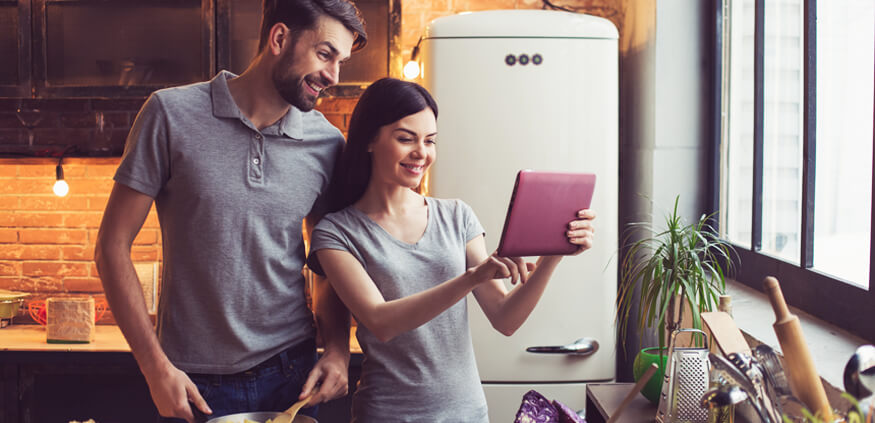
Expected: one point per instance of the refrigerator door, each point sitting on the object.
(560, 114)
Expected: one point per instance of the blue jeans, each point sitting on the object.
(273, 385)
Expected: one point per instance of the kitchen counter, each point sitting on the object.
(33, 338)
(107, 338)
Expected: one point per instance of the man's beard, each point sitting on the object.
(291, 87)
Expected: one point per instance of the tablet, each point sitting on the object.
(541, 206)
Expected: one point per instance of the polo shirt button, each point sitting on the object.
(256, 161)
(258, 137)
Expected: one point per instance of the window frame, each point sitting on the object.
(824, 296)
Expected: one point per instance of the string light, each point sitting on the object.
(411, 69)
(61, 188)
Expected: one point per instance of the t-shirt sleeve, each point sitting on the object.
(472, 227)
(326, 236)
(145, 164)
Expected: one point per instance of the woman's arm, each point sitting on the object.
(329, 377)
(508, 311)
(387, 319)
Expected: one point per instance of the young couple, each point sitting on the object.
(234, 166)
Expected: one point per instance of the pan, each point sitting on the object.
(259, 417)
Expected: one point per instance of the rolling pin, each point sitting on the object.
(801, 373)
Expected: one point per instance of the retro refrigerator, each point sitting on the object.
(532, 89)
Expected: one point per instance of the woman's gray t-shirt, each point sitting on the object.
(427, 374)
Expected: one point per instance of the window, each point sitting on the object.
(796, 150)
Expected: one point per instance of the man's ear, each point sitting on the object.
(278, 38)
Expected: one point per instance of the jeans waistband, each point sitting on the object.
(282, 358)
(280, 361)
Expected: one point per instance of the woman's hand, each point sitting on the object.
(497, 267)
(581, 231)
(327, 380)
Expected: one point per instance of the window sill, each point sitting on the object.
(830, 346)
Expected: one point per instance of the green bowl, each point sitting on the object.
(643, 360)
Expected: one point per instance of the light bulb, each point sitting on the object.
(411, 70)
(61, 188)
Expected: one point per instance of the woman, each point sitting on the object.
(402, 263)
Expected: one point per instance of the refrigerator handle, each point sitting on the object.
(581, 347)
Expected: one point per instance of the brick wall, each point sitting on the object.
(47, 242)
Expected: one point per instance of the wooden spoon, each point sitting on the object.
(289, 415)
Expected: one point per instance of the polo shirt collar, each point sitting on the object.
(291, 124)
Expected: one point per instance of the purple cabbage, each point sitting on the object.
(567, 415)
(536, 409)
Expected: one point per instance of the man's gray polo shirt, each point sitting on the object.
(230, 201)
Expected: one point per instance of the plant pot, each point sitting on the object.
(643, 360)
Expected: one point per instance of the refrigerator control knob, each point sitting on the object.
(510, 59)
(537, 59)
(524, 59)
(581, 347)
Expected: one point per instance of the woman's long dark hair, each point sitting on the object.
(384, 102)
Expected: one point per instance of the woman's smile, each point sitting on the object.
(415, 169)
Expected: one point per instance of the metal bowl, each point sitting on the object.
(259, 416)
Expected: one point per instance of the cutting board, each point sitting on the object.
(725, 333)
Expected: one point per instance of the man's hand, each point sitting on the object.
(173, 393)
(328, 380)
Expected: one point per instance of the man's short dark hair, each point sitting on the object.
(300, 15)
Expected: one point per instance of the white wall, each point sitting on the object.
(680, 106)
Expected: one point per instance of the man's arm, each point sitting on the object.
(332, 322)
(125, 213)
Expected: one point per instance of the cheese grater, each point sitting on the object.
(686, 380)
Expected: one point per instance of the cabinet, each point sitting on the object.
(14, 48)
(105, 386)
(238, 43)
(60, 387)
(129, 48)
(42, 382)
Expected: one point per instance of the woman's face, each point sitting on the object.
(402, 151)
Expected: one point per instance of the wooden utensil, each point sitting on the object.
(288, 416)
(802, 375)
(726, 334)
(638, 386)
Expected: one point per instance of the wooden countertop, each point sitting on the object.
(603, 400)
(107, 338)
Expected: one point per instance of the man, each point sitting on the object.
(234, 165)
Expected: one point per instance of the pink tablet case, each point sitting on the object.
(542, 205)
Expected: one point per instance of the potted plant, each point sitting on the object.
(665, 271)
